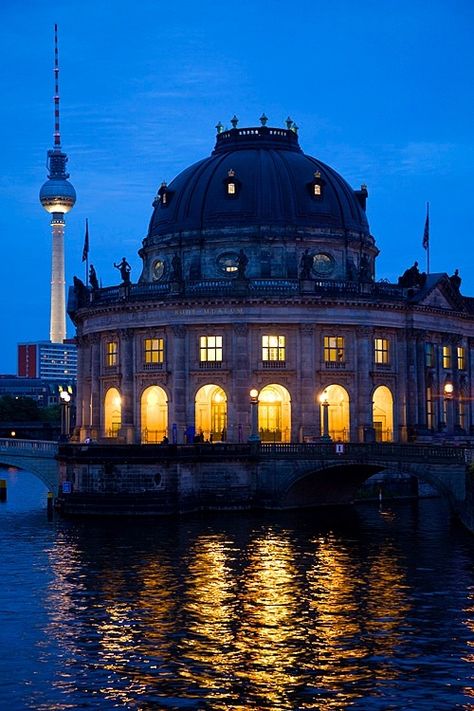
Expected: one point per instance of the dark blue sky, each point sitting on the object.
(382, 91)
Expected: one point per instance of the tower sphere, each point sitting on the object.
(57, 196)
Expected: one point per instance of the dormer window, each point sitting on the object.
(316, 187)
(164, 195)
(232, 185)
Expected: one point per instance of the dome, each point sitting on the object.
(274, 184)
(57, 196)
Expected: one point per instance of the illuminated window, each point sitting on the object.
(381, 351)
(334, 349)
(316, 186)
(154, 350)
(429, 409)
(111, 353)
(228, 262)
(210, 349)
(273, 348)
(461, 358)
(231, 183)
(429, 355)
(446, 356)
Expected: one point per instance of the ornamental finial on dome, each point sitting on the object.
(234, 121)
(289, 123)
(219, 127)
(263, 119)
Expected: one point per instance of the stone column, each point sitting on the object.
(400, 397)
(306, 368)
(364, 407)
(238, 425)
(470, 384)
(127, 429)
(96, 407)
(412, 393)
(420, 381)
(83, 394)
(177, 412)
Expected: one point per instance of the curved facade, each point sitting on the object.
(259, 275)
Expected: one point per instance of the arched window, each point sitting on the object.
(382, 416)
(336, 399)
(211, 413)
(154, 415)
(112, 413)
(274, 414)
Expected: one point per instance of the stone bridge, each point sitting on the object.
(250, 474)
(332, 473)
(179, 478)
(35, 456)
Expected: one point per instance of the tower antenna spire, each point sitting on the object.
(57, 196)
(57, 134)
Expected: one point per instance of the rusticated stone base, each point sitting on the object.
(172, 479)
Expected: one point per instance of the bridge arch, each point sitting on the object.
(315, 484)
(33, 456)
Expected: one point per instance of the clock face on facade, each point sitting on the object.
(323, 263)
(157, 269)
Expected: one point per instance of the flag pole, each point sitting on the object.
(426, 237)
(85, 252)
(428, 248)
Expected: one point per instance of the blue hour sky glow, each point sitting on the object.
(381, 91)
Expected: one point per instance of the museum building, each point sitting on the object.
(258, 314)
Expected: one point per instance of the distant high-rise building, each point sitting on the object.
(57, 196)
(48, 361)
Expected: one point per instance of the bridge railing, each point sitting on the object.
(348, 451)
(28, 446)
(359, 450)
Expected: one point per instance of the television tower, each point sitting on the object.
(57, 196)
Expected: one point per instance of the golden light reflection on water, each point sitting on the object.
(209, 607)
(239, 625)
(270, 633)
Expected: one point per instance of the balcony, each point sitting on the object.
(153, 366)
(273, 364)
(334, 364)
(210, 364)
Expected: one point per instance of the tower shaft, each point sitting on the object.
(57, 330)
(57, 196)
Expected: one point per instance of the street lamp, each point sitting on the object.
(449, 405)
(323, 398)
(254, 436)
(65, 413)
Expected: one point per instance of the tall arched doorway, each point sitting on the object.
(154, 415)
(336, 399)
(112, 413)
(211, 413)
(274, 414)
(382, 416)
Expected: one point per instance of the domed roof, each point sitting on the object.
(274, 185)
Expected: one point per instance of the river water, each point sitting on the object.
(371, 608)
